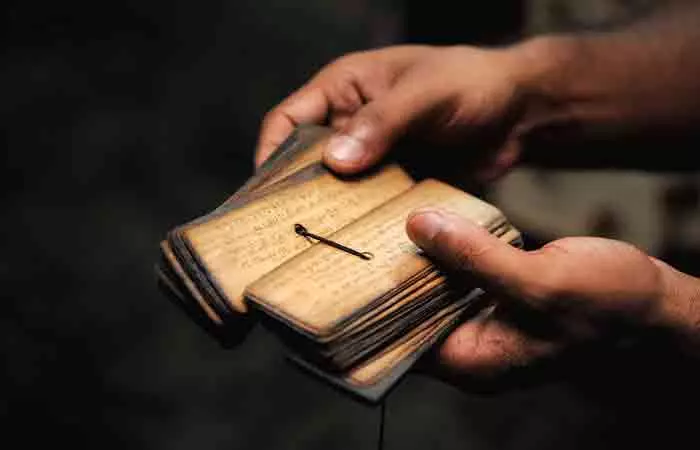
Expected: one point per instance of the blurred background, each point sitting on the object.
(124, 118)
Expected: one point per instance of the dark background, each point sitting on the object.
(122, 119)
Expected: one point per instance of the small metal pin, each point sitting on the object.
(302, 231)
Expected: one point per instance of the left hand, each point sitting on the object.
(449, 95)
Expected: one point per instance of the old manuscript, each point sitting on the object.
(358, 320)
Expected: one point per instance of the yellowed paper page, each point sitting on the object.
(241, 245)
(323, 286)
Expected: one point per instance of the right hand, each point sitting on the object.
(571, 291)
(371, 99)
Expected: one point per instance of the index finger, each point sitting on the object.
(308, 105)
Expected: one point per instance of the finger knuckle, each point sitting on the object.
(344, 62)
(545, 287)
(372, 117)
(343, 96)
(270, 116)
(465, 255)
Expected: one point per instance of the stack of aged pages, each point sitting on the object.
(325, 262)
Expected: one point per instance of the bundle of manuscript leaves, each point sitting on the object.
(359, 323)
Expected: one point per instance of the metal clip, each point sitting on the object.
(302, 231)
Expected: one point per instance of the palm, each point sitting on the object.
(584, 286)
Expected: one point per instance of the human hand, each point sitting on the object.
(450, 94)
(577, 289)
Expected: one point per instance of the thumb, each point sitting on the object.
(465, 246)
(370, 132)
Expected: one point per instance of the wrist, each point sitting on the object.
(542, 65)
(678, 307)
(546, 70)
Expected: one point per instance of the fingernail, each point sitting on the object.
(425, 225)
(344, 148)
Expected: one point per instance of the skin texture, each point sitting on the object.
(581, 289)
(633, 84)
(373, 98)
